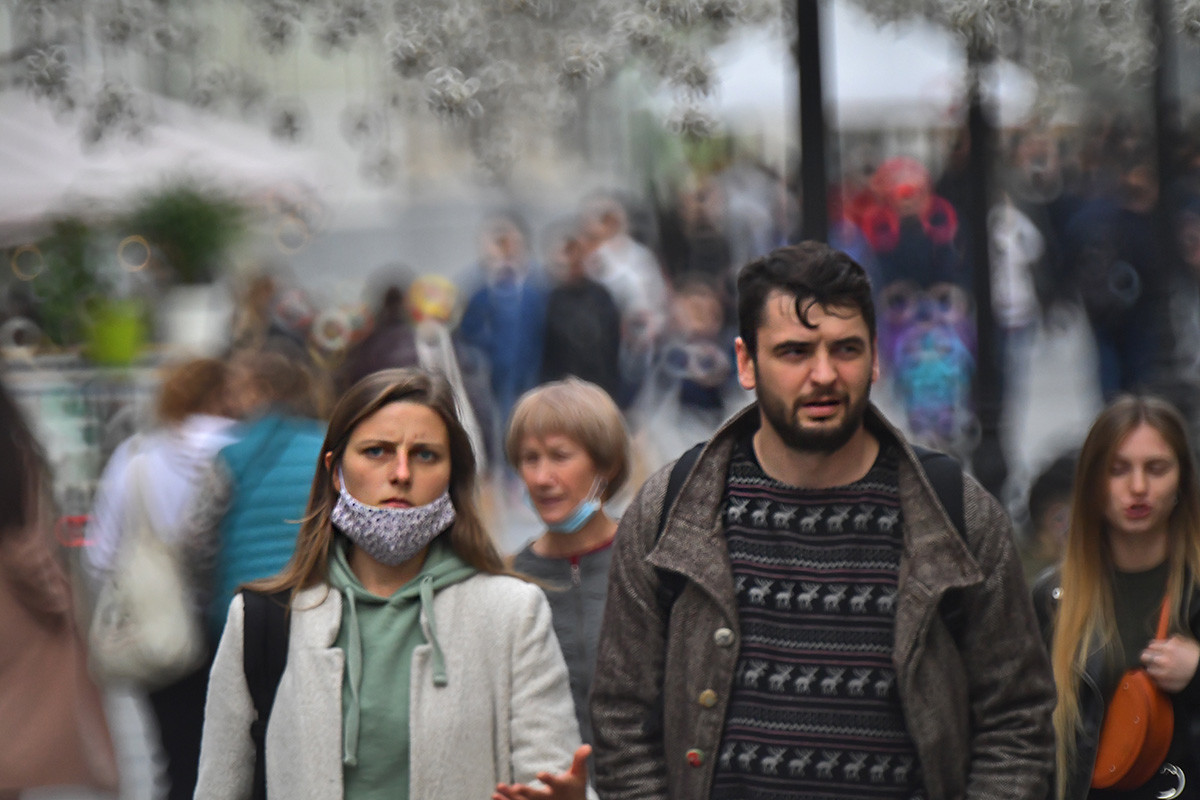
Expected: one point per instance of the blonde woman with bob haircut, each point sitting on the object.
(417, 666)
(568, 442)
(1134, 539)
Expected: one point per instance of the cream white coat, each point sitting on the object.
(506, 714)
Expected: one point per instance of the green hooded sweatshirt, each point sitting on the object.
(378, 636)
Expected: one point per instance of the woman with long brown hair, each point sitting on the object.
(416, 666)
(1133, 546)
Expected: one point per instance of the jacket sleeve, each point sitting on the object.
(1010, 684)
(627, 689)
(226, 749)
(544, 731)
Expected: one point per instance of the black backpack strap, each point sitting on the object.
(945, 473)
(264, 655)
(670, 584)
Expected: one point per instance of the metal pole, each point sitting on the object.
(1164, 378)
(988, 461)
(813, 181)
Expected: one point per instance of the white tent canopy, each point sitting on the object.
(47, 169)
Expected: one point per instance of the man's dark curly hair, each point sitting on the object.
(814, 273)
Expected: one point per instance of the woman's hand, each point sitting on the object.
(569, 785)
(1172, 662)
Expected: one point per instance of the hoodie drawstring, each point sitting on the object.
(439, 661)
(354, 676)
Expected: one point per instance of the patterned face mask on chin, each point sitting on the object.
(391, 536)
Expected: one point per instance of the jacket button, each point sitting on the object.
(695, 757)
(708, 698)
(723, 637)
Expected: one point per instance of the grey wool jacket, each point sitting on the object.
(978, 709)
(505, 714)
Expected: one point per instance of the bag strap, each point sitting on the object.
(1164, 617)
(137, 509)
(946, 475)
(670, 584)
(264, 655)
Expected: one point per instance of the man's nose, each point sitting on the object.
(822, 369)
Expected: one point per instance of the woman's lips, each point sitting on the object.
(1138, 511)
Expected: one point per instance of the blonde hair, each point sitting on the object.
(579, 410)
(468, 537)
(1086, 614)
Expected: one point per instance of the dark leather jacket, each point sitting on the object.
(1092, 700)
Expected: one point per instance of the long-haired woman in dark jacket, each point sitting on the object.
(1134, 540)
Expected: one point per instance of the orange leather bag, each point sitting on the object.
(1137, 729)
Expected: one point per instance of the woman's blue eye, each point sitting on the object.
(373, 452)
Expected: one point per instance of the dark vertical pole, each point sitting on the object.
(814, 184)
(1164, 378)
(988, 461)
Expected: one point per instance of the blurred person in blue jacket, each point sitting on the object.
(243, 521)
(505, 316)
(194, 422)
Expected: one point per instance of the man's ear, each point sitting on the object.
(745, 364)
(875, 361)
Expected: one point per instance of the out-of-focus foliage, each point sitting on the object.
(66, 280)
(191, 228)
(498, 70)
(501, 73)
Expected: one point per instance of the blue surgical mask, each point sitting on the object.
(582, 513)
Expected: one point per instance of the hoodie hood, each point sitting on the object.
(412, 603)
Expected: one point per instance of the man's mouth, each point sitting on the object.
(821, 408)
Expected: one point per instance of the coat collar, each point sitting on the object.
(317, 611)
(935, 559)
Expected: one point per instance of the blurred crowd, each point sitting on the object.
(639, 303)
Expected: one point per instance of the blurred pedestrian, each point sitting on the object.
(583, 323)
(193, 424)
(244, 517)
(568, 443)
(505, 316)
(52, 724)
(416, 667)
(1132, 553)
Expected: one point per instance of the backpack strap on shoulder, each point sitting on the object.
(264, 654)
(945, 473)
(670, 584)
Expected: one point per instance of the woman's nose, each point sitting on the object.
(401, 474)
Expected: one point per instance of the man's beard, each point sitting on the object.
(825, 440)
